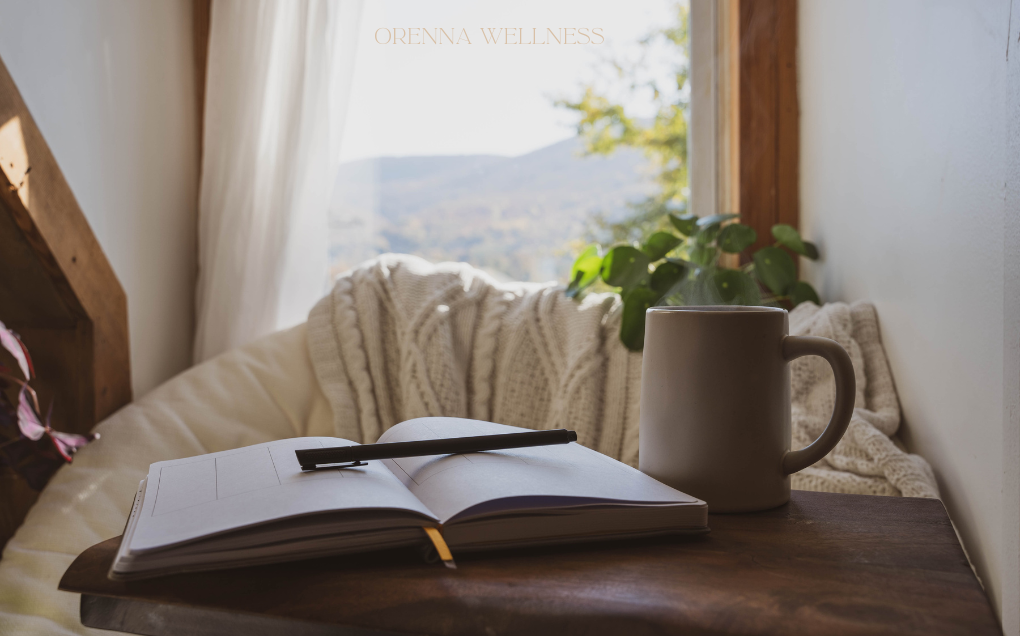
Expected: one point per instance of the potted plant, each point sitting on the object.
(685, 268)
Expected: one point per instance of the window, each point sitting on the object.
(454, 147)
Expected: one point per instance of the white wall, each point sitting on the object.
(905, 109)
(111, 86)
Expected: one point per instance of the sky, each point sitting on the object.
(480, 98)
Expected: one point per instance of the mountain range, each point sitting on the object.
(516, 217)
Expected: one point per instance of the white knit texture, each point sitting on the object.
(400, 338)
(866, 461)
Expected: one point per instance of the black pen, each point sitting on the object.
(312, 458)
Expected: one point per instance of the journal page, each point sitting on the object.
(198, 496)
(518, 479)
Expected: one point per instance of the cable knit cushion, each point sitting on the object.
(400, 338)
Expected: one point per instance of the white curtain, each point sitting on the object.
(278, 78)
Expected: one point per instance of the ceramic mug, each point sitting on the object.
(715, 403)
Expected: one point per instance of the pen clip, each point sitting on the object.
(331, 466)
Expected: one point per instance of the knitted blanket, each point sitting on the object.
(866, 461)
(400, 338)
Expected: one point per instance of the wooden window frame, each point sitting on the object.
(769, 116)
(744, 128)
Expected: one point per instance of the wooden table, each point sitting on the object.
(822, 564)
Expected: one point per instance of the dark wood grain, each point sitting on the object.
(822, 564)
(769, 117)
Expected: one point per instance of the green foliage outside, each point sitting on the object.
(606, 126)
(662, 254)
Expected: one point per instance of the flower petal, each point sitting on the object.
(68, 443)
(28, 420)
(13, 345)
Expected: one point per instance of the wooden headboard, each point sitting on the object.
(57, 289)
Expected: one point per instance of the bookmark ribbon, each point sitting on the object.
(442, 549)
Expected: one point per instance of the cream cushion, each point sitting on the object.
(258, 393)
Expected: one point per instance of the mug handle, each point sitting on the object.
(846, 390)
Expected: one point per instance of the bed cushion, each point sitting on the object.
(258, 393)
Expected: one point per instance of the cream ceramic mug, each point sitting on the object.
(715, 403)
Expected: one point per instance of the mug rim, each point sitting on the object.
(719, 309)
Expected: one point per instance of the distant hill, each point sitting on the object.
(513, 216)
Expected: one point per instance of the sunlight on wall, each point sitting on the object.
(14, 157)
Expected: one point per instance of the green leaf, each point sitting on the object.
(632, 324)
(715, 219)
(788, 235)
(706, 235)
(811, 250)
(775, 268)
(702, 255)
(585, 270)
(736, 238)
(624, 266)
(736, 287)
(685, 224)
(574, 288)
(660, 244)
(666, 276)
(802, 292)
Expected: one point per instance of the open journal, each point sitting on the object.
(255, 505)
